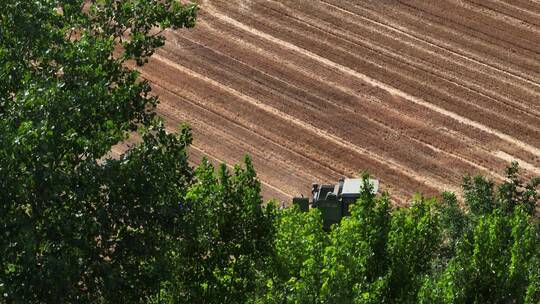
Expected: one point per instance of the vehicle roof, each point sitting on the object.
(351, 186)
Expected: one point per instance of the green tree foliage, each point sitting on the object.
(429, 252)
(494, 260)
(225, 240)
(356, 263)
(481, 198)
(294, 272)
(76, 226)
(494, 263)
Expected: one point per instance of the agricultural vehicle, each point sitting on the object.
(333, 200)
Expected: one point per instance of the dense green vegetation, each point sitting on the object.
(430, 252)
(77, 226)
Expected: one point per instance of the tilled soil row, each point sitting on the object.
(525, 152)
(445, 32)
(401, 75)
(291, 84)
(249, 81)
(434, 59)
(343, 160)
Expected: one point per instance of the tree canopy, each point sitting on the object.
(486, 251)
(76, 225)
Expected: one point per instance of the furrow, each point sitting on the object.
(248, 76)
(308, 127)
(375, 82)
(432, 67)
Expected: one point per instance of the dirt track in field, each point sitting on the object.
(416, 92)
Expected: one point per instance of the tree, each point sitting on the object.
(355, 261)
(481, 197)
(429, 252)
(493, 252)
(493, 263)
(296, 261)
(226, 238)
(76, 225)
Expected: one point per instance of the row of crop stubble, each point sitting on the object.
(417, 94)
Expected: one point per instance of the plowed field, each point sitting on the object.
(416, 92)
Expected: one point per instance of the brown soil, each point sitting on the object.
(416, 92)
